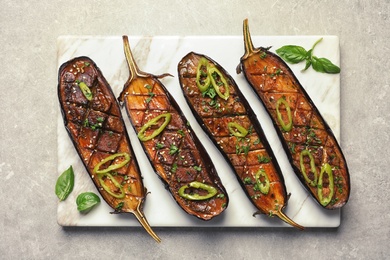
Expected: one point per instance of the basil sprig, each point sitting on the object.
(64, 184)
(294, 54)
(86, 201)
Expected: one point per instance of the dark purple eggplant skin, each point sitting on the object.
(265, 204)
(97, 131)
(74, 118)
(270, 60)
(145, 97)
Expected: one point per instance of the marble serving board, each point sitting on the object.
(160, 55)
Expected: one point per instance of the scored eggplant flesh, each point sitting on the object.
(225, 115)
(173, 149)
(308, 141)
(94, 123)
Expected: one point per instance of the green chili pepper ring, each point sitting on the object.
(112, 166)
(197, 185)
(86, 91)
(325, 200)
(312, 167)
(286, 127)
(116, 184)
(237, 130)
(263, 186)
(153, 121)
(214, 71)
(205, 83)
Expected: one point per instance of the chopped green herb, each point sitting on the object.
(181, 132)
(197, 168)
(174, 168)
(159, 146)
(263, 159)
(247, 180)
(246, 149)
(119, 206)
(173, 149)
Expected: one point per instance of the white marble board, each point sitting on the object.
(160, 55)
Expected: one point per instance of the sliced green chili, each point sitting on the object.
(237, 130)
(286, 127)
(141, 135)
(325, 200)
(112, 166)
(202, 77)
(216, 75)
(312, 167)
(262, 182)
(85, 89)
(211, 191)
(116, 184)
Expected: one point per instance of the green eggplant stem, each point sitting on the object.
(289, 221)
(249, 48)
(144, 223)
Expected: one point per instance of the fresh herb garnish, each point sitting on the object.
(159, 146)
(198, 168)
(119, 206)
(247, 180)
(173, 149)
(294, 54)
(181, 132)
(174, 168)
(86, 201)
(263, 159)
(221, 196)
(65, 184)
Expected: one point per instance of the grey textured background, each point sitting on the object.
(28, 109)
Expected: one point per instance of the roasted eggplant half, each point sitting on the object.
(94, 123)
(308, 141)
(173, 149)
(225, 115)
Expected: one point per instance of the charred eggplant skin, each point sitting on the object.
(309, 143)
(234, 129)
(172, 147)
(95, 126)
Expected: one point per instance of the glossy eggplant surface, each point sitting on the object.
(94, 123)
(308, 141)
(225, 115)
(174, 151)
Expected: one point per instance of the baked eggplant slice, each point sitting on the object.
(94, 123)
(225, 115)
(174, 151)
(308, 141)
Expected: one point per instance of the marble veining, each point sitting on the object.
(158, 55)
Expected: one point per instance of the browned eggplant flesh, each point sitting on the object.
(176, 154)
(308, 141)
(225, 115)
(94, 123)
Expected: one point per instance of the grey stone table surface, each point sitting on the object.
(28, 126)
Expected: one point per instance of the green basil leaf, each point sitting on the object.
(308, 63)
(317, 64)
(86, 201)
(292, 53)
(64, 184)
(328, 66)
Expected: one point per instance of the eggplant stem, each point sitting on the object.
(133, 67)
(144, 222)
(134, 71)
(249, 49)
(289, 221)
